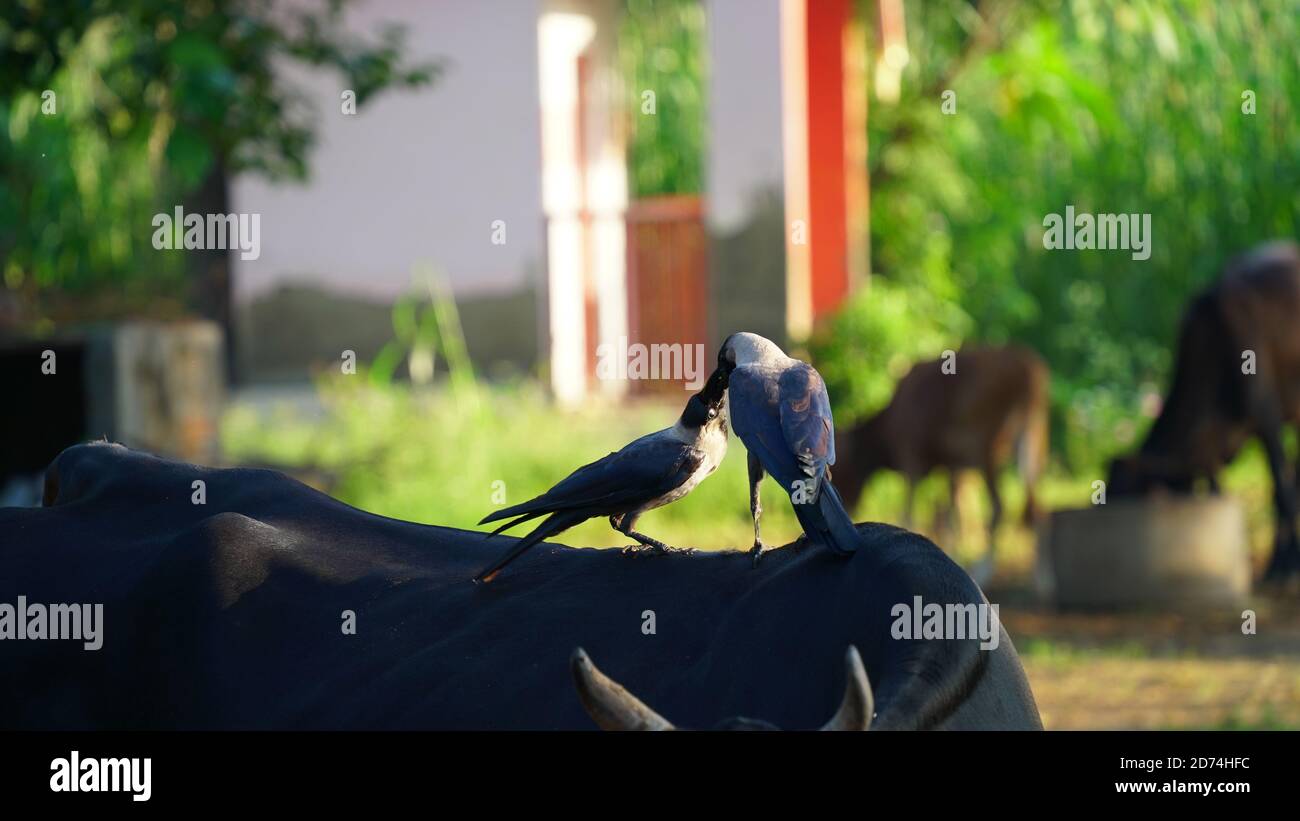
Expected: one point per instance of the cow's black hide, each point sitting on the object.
(228, 615)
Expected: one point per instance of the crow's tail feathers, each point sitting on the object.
(524, 518)
(531, 508)
(522, 512)
(554, 524)
(845, 538)
(826, 522)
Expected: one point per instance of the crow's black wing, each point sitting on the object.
(755, 404)
(646, 469)
(784, 419)
(806, 419)
(810, 432)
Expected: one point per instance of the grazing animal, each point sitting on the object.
(235, 615)
(652, 471)
(1216, 401)
(992, 407)
(779, 409)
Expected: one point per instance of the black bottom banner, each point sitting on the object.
(233, 770)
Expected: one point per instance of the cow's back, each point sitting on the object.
(1260, 295)
(1209, 409)
(232, 615)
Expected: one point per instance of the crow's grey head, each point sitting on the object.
(745, 348)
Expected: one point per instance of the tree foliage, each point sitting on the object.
(1112, 107)
(662, 48)
(150, 97)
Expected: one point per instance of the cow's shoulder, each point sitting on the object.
(234, 553)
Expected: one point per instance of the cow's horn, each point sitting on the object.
(610, 705)
(858, 705)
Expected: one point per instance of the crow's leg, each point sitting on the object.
(756, 474)
(623, 524)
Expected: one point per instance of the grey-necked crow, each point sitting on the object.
(651, 472)
(779, 409)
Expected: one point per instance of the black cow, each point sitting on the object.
(229, 614)
(1217, 401)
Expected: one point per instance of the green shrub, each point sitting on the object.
(876, 337)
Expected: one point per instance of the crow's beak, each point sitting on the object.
(712, 392)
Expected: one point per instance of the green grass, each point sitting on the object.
(420, 455)
(1065, 654)
(1267, 720)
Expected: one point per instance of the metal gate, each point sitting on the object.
(668, 282)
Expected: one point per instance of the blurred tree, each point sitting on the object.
(1112, 107)
(662, 50)
(112, 110)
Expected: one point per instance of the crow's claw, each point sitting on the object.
(657, 549)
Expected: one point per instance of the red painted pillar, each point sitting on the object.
(824, 98)
(827, 194)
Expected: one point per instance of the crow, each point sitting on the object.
(650, 472)
(779, 409)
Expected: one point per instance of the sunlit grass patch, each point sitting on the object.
(421, 456)
(425, 456)
(1101, 692)
(1064, 654)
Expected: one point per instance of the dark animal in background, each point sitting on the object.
(650, 472)
(993, 407)
(779, 408)
(1214, 405)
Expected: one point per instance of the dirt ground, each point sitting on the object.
(1160, 671)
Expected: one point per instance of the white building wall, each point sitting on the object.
(584, 188)
(744, 98)
(415, 176)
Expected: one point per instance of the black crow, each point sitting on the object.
(779, 409)
(650, 472)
